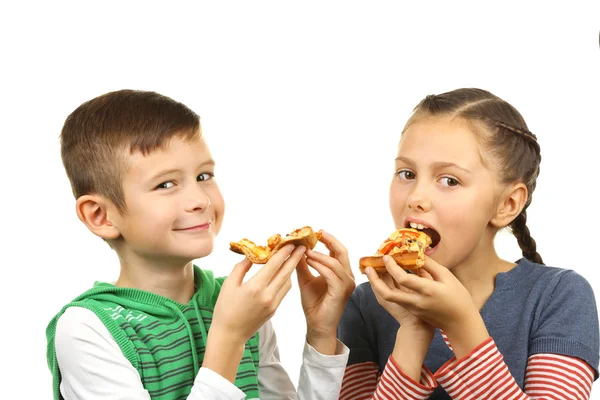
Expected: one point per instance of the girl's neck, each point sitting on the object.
(478, 274)
(167, 278)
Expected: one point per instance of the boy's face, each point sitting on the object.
(174, 206)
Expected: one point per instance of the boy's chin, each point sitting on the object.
(200, 251)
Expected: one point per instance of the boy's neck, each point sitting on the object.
(175, 282)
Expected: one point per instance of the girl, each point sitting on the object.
(489, 328)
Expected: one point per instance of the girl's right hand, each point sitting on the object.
(403, 316)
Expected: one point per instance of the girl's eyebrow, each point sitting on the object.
(435, 165)
(406, 161)
(442, 165)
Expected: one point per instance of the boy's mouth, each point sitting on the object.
(201, 227)
(423, 227)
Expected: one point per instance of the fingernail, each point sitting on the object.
(386, 258)
(368, 270)
(302, 249)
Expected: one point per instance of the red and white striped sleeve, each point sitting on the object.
(558, 377)
(483, 374)
(362, 382)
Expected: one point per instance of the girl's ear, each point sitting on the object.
(510, 205)
(93, 211)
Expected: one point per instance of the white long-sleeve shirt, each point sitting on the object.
(92, 366)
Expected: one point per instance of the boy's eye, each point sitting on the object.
(448, 181)
(205, 176)
(406, 174)
(166, 185)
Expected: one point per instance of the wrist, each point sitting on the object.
(223, 354)
(466, 334)
(323, 342)
(412, 344)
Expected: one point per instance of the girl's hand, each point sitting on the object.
(324, 297)
(404, 317)
(438, 299)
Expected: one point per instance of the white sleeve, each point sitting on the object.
(273, 382)
(92, 366)
(320, 375)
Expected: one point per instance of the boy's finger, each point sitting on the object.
(266, 273)
(331, 278)
(303, 272)
(337, 250)
(332, 263)
(284, 273)
(282, 292)
(239, 272)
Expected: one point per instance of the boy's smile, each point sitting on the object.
(174, 206)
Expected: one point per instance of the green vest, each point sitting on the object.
(164, 340)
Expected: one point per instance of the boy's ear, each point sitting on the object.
(510, 205)
(93, 211)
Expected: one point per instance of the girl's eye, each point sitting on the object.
(166, 185)
(205, 177)
(406, 175)
(448, 181)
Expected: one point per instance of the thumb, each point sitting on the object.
(239, 272)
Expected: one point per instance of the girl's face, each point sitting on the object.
(442, 186)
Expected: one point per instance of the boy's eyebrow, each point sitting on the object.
(435, 165)
(176, 170)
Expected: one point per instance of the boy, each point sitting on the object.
(143, 178)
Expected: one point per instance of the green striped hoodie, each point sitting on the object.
(164, 340)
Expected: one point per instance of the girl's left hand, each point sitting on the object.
(324, 297)
(442, 301)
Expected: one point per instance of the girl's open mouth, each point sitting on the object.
(432, 233)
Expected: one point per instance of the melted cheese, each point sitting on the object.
(406, 241)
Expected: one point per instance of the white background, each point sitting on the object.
(302, 104)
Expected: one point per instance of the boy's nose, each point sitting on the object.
(199, 201)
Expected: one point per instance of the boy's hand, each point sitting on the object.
(325, 296)
(439, 299)
(242, 308)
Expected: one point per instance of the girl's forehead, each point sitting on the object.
(441, 139)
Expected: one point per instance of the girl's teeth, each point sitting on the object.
(416, 226)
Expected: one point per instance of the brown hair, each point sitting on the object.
(96, 136)
(514, 150)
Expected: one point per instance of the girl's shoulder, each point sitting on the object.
(530, 276)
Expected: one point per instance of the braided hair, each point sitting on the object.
(515, 151)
